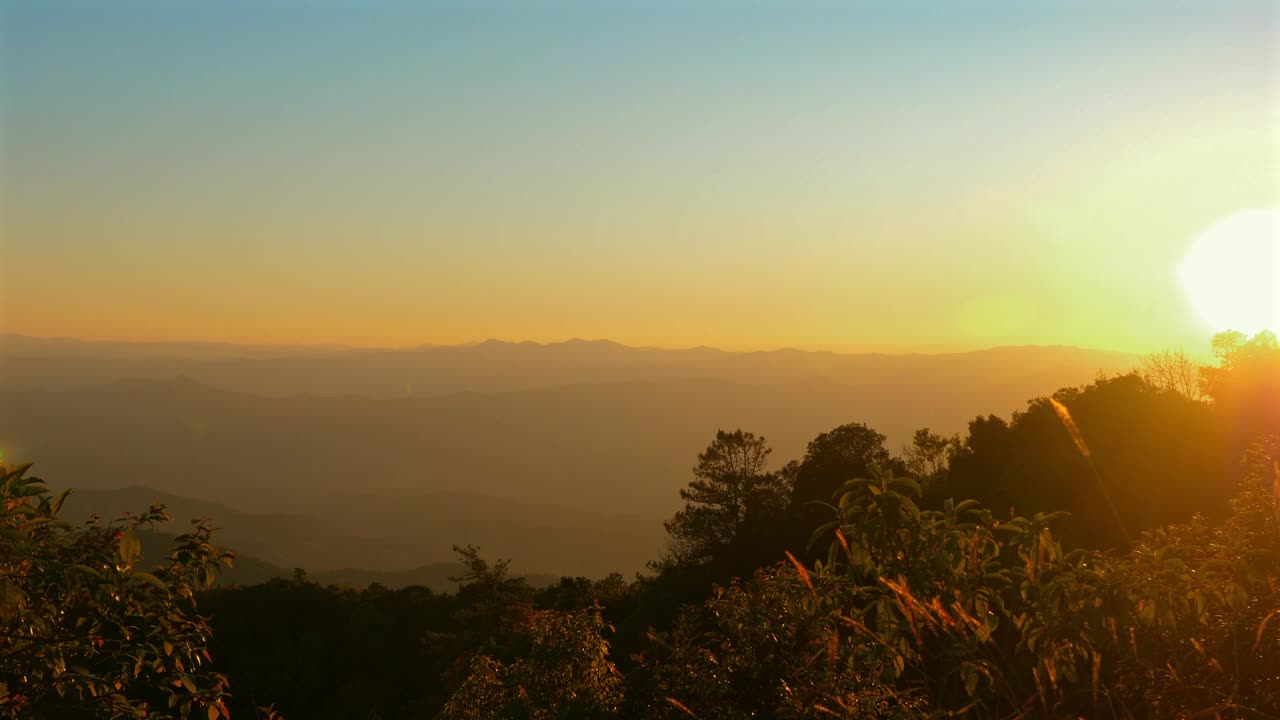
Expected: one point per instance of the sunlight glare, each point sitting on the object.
(1231, 273)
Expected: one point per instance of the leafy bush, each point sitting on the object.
(765, 647)
(84, 632)
(566, 674)
(952, 613)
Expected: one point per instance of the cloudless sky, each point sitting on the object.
(853, 175)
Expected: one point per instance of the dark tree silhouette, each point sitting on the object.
(731, 495)
(928, 457)
(1158, 454)
(1173, 370)
(1245, 386)
(843, 453)
(833, 457)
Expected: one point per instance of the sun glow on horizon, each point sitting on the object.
(857, 177)
(1231, 273)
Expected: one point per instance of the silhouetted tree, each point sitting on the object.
(1245, 386)
(730, 496)
(928, 457)
(333, 653)
(843, 453)
(1158, 454)
(495, 608)
(1173, 370)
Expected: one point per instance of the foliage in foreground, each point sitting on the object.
(84, 632)
(952, 613)
(566, 674)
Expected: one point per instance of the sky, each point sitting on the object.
(891, 176)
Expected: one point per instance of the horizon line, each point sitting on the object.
(339, 347)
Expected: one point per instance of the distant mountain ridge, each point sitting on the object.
(496, 366)
(565, 457)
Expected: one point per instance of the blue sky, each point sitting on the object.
(737, 174)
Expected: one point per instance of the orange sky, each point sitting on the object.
(850, 177)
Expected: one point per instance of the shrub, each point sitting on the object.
(84, 631)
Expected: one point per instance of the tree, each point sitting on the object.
(1159, 456)
(843, 453)
(1245, 386)
(479, 572)
(1173, 370)
(833, 457)
(85, 632)
(928, 457)
(730, 496)
(328, 652)
(496, 608)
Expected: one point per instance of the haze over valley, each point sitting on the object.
(566, 457)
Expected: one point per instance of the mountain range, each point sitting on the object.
(565, 457)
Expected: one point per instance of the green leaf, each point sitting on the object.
(130, 546)
(906, 486)
(55, 507)
(150, 579)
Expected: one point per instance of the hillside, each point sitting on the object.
(358, 539)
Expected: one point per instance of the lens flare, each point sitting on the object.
(1231, 273)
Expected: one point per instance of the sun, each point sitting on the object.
(1231, 272)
